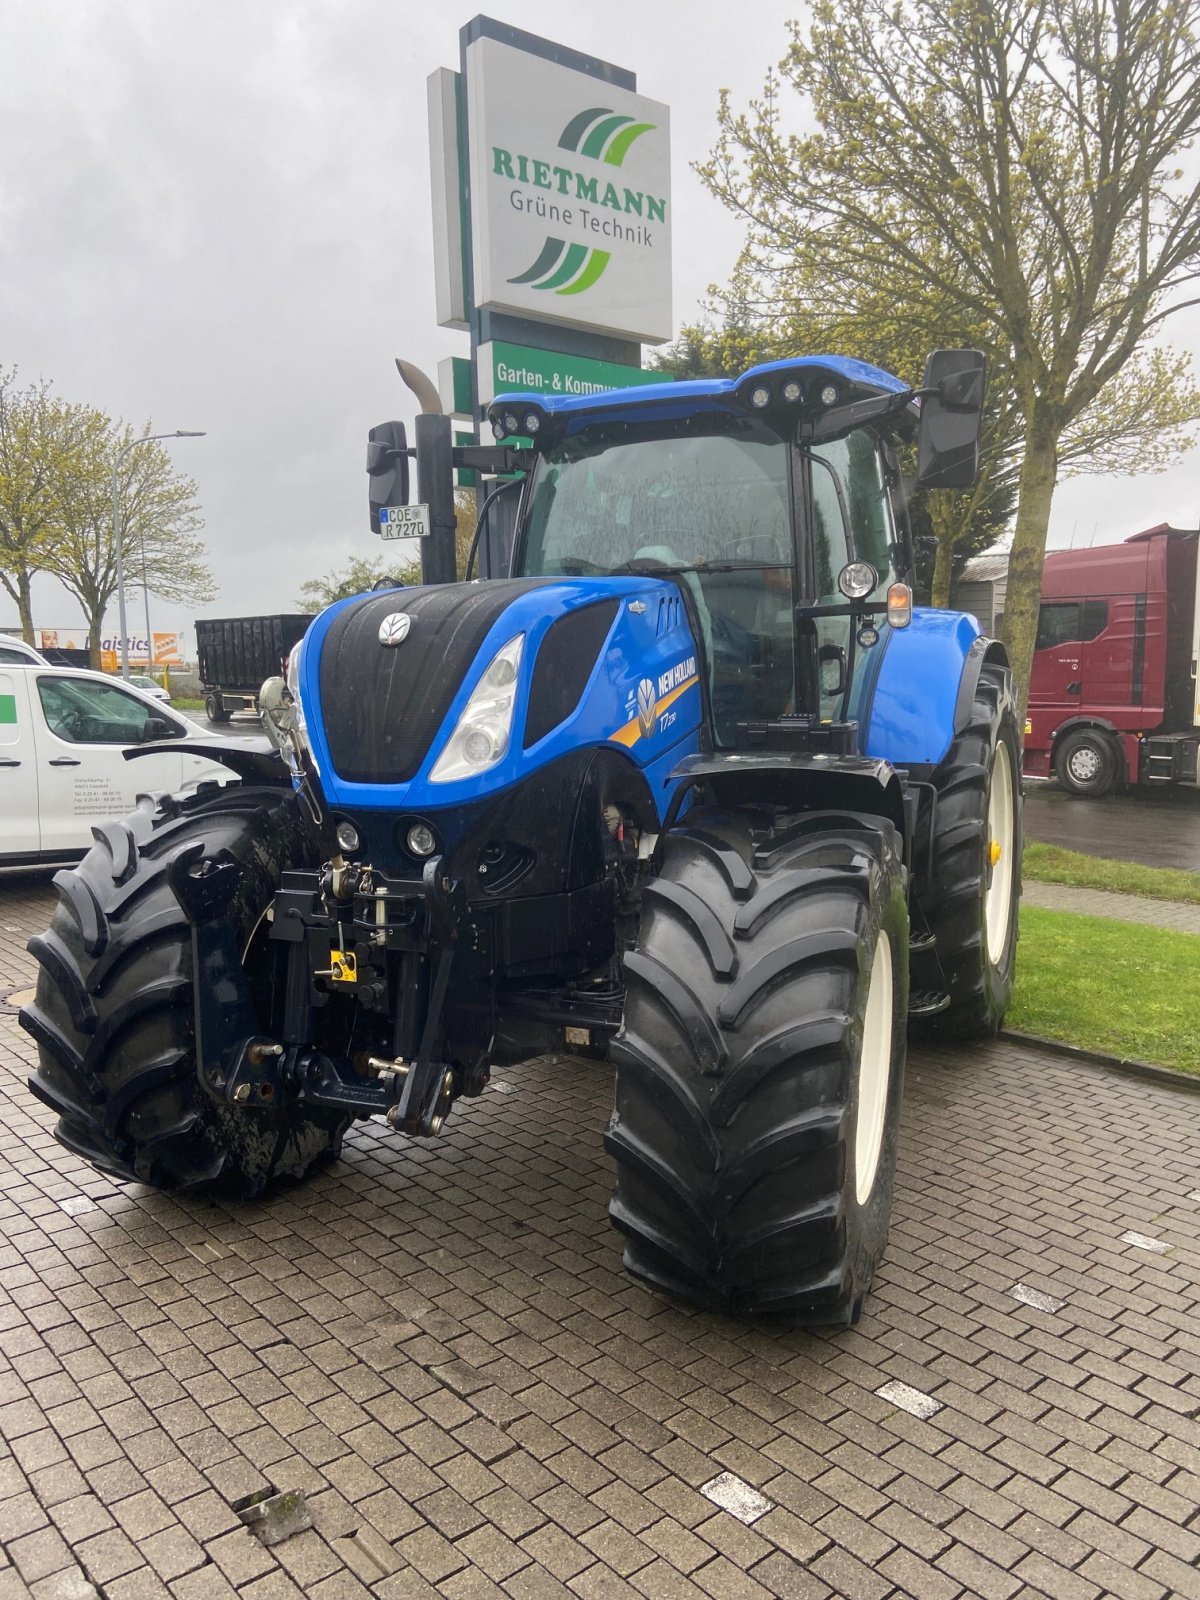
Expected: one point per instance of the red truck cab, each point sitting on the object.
(1113, 691)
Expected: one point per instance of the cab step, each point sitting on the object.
(927, 1003)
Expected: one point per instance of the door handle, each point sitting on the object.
(65, 761)
(7, 763)
(1074, 688)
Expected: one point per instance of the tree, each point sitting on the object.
(36, 438)
(1018, 159)
(361, 573)
(159, 519)
(358, 575)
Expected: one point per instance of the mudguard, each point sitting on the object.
(926, 677)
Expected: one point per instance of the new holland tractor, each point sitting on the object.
(694, 787)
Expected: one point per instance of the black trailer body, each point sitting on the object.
(236, 655)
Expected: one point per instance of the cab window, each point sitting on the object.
(82, 712)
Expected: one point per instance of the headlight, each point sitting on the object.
(857, 579)
(481, 735)
(299, 726)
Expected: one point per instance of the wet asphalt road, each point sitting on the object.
(1156, 827)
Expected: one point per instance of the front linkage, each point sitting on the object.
(375, 939)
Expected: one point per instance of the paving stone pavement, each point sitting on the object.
(438, 1344)
(1104, 903)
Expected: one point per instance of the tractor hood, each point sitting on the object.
(392, 683)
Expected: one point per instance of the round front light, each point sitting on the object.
(760, 397)
(512, 424)
(532, 422)
(791, 391)
(347, 837)
(501, 673)
(477, 747)
(497, 428)
(421, 840)
(828, 394)
(857, 579)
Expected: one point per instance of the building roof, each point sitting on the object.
(985, 569)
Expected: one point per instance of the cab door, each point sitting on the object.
(20, 834)
(82, 726)
(1056, 677)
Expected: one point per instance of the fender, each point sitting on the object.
(924, 686)
(810, 782)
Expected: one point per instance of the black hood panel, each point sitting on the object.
(383, 705)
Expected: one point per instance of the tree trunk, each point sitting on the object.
(943, 568)
(25, 603)
(94, 637)
(1039, 471)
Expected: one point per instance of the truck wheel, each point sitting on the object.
(113, 1012)
(760, 1064)
(972, 881)
(1086, 762)
(214, 708)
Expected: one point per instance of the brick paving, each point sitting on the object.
(438, 1344)
(1150, 913)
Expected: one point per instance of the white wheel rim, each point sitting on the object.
(874, 1070)
(1000, 847)
(1084, 764)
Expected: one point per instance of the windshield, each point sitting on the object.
(676, 496)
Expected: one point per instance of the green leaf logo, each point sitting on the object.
(604, 135)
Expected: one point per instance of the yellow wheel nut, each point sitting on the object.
(995, 851)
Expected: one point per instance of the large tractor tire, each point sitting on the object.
(972, 878)
(113, 1011)
(760, 1064)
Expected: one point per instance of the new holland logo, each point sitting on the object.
(647, 705)
(603, 135)
(395, 627)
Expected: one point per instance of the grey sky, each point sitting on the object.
(217, 216)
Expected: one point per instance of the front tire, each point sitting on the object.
(760, 1064)
(1086, 762)
(113, 1011)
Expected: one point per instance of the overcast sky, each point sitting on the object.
(217, 216)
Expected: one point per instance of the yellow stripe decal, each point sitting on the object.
(632, 731)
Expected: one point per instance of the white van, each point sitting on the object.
(62, 770)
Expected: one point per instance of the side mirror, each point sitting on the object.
(387, 468)
(157, 728)
(831, 659)
(951, 415)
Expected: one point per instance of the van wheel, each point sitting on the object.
(759, 1066)
(113, 1013)
(1086, 762)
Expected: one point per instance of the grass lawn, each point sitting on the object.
(1111, 986)
(183, 704)
(1049, 863)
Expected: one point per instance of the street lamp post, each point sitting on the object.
(118, 531)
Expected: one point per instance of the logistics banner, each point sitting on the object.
(168, 650)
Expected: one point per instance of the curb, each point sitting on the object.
(1127, 1066)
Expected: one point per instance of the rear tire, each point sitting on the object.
(113, 1011)
(968, 906)
(760, 1064)
(1087, 762)
(214, 708)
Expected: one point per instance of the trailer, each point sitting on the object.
(1113, 696)
(235, 656)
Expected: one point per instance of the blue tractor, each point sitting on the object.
(694, 787)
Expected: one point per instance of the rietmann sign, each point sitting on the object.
(570, 195)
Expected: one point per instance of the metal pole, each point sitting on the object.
(146, 601)
(435, 486)
(119, 534)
